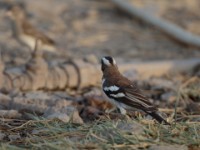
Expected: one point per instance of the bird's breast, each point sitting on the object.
(28, 40)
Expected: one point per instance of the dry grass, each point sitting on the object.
(100, 134)
(105, 133)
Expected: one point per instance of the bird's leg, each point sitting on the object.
(123, 112)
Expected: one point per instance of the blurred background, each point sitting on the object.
(82, 27)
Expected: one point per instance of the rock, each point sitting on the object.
(5, 100)
(61, 94)
(131, 75)
(130, 127)
(61, 116)
(168, 147)
(35, 101)
(168, 97)
(60, 103)
(98, 102)
(90, 113)
(37, 95)
(2, 135)
(14, 137)
(32, 105)
(10, 114)
(160, 83)
(38, 102)
(65, 114)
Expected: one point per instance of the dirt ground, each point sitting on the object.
(95, 27)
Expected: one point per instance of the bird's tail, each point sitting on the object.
(158, 118)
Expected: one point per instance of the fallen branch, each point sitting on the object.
(38, 74)
(170, 29)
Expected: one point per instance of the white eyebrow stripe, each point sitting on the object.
(111, 88)
(106, 62)
(114, 62)
(118, 95)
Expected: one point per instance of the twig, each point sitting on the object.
(168, 110)
(29, 123)
(186, 83)
(191, 116)
(170, 29)
(176, 105)
(99, 138)
(192, 122)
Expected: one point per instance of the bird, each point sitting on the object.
(25, 32)
(123, 93)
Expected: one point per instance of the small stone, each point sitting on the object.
(168, 96)
(10, 114)
(130, 127)
(14, 137)
(60, 103)
(2, 135)
(65, 114)
(5, 100)
(160, 83)
(37, 95)
(131, 75)
(57, 115)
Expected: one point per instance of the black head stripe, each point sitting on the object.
(107, 60)
(110, 59)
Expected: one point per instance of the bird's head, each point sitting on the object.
(108, 63)
(15, 12)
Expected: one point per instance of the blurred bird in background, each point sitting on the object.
(24, 32)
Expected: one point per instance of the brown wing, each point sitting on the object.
(30, 30)
(133, 95)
